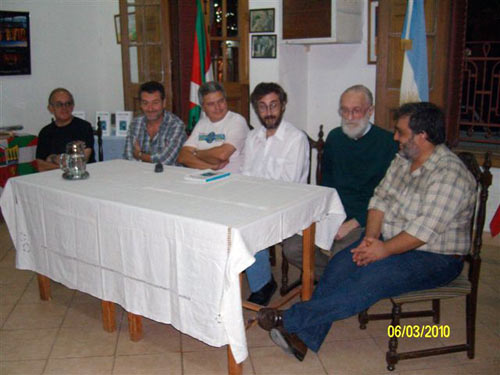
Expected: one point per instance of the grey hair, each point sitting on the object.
(60, 89)
(208, 88)
(359, 88)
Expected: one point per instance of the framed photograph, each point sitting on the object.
(264, 46)
(262, 20)
(15, 56)
(372, 31)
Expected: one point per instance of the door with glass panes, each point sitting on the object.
(227, 23)
(145, 40)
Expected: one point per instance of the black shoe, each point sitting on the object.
(263, 296)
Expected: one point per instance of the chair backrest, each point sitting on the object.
(98, 134)
(484, 179)
(318, 146)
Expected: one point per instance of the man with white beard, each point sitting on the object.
(355, 159)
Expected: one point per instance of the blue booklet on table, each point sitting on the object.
(207, 175)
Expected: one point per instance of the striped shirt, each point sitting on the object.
(434, 203)
(164, 146)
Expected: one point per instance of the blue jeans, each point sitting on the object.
(346, 289)
(259, 273)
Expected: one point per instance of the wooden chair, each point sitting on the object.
(463, 286)
(313, 145)
(98, 134)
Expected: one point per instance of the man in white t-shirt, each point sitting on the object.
(279, 151)
(218, 138)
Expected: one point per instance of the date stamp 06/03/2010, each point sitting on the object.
(417, 331)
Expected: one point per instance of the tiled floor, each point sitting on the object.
(65, 336)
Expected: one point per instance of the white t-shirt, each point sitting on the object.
(283, 156)
(232, 129)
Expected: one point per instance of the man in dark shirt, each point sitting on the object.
(63, 129)
(355, 159)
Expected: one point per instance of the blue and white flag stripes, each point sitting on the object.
(414, 81)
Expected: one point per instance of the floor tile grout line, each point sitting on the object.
(58, 330)
(17, 301)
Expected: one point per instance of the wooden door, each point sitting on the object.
(390, 55)
(227, 23)
(145, 45)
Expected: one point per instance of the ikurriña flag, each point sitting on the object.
(414, 81)
(202, 69)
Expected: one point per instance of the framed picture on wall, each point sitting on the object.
(15, 57)
(262, 20)
(372, 31)
(264, 46)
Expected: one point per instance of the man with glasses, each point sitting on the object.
(218, 138)
(63, 129)
(279, 151)
(355, 159)
(157, 135)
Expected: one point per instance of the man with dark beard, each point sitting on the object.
(276, 150)
(355, 159)
(417, 235)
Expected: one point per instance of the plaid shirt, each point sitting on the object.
(164, 146)
(433, 203)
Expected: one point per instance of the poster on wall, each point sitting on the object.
(15, 56)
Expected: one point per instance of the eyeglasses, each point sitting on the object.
(355, 112)
(63, 104)
(271, 108)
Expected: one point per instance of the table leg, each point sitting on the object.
(135, 327)
(308, 262)
(233, 368)
(108, 316)
(44, 287)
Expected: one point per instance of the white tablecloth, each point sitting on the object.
(160, 246)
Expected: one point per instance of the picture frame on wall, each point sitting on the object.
(262, 20)
(264, 46)
(372, 31)
(15, 53)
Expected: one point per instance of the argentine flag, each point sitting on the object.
(414, 82)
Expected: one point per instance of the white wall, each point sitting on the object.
(73, 45)
(314, 76)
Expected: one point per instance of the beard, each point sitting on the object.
(270, 121)
(409, 150)
(354, 129)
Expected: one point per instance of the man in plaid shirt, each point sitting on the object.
(416, 236)
(158, 135)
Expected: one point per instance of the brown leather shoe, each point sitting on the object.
(289, 342)
(269, 318)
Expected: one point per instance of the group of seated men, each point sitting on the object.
(407, 197)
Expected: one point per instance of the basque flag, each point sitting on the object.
(414, 82)
(202, 70)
